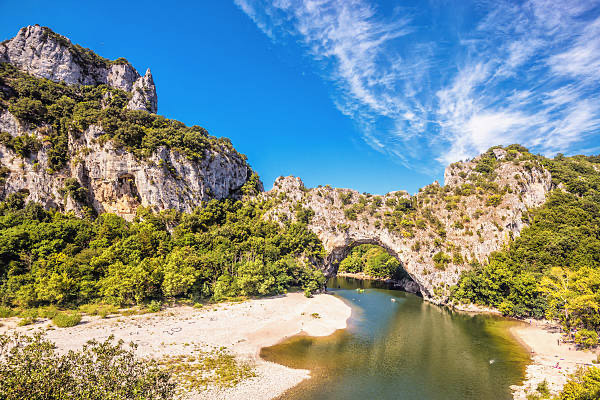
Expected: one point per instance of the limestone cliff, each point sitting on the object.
(45, 54)
(111, 162)
(437, 233)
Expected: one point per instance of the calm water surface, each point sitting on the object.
(404, 349)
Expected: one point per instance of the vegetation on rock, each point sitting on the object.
(65, 110)
(553, 268)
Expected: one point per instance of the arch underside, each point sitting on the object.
(338, 253)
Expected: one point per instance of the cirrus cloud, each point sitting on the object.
(426, 89)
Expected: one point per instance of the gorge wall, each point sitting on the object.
(43, 53)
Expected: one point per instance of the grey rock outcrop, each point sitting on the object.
(465, 227)
(115, 180)
(144, 94)
(105, 177)
(42, 53)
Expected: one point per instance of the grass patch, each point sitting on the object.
(26, 321)
(66, 319)
(103, 310)
(201, 370)
(154, 306)
(47, 312)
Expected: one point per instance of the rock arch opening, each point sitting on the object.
(371, 259)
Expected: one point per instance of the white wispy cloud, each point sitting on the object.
(527, 73)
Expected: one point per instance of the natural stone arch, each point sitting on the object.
(337, 254)
(463, 231)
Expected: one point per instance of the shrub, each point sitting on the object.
(543, 389)
(6, 312)
(66, 319)
(494, 200)
(345, 198)
(31, 368)
(583, 385)
(586, 338)
(441, 260)
(350, 213)
(26, 321)
(154, 306)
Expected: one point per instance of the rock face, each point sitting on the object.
(45, 54)
(464, 228)
(99, 175)
(115, 181)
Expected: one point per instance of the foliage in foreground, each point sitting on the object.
(31, 368)
(223, 249)
(584, 385)
(553, 268)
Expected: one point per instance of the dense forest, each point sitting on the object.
(553, 268)
(224, 249)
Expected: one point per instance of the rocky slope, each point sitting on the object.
(437, 233)
(98, 173)
(42, 53)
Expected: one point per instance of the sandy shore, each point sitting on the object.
(476, 309)
(541, 338)
(243, 328)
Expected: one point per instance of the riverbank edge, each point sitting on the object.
(552, 360)
(541, 349)
(540, 338)
(244, 328)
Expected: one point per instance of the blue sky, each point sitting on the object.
(372, 95)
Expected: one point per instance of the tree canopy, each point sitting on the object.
(223, 249)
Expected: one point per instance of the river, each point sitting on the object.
(399, 347)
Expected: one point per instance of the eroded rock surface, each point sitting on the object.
(116, 181)
(99, 175)
(45, 54)
(464, 227)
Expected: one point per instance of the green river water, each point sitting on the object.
(404, 349)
